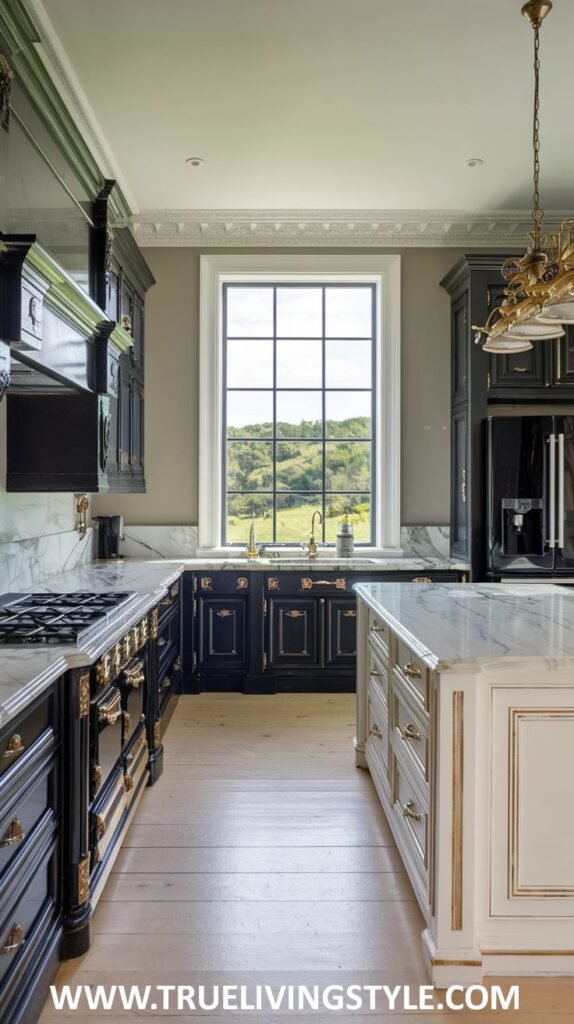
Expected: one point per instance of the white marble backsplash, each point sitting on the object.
(159, 541)
(425, 541)
(27, 562)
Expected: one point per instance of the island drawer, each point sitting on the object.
(413, 673)
(411, 818)
(379, 678)
(22, 733)
(409, 732)
(377, 726)
(30, 799)
(378, 636)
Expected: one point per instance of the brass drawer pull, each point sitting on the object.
(135, 676)
(162, 641)
(295, 614)
(110, 713)
(14, 747)
(412, 671)
(225, 613)
(14, 834)
(166, 683)
(128, 782)
(307, 583)
(350, 614)
(421, 579)
(520, 369)
(410, 732)
(126, 719)
(177, 665)
(166, 601)
(375, 731)
(15, 940)
(175, 590)
(377, 629)
(101, 826)
(410, 811)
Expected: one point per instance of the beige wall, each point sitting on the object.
(172, 392)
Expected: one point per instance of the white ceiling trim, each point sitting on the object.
(338, 228)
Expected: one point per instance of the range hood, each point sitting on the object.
(58, 337)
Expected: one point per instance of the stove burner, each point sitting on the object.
(54, 618)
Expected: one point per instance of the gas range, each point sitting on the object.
(55, 618)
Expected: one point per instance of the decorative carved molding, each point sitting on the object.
(348, 228)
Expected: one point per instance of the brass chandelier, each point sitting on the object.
(539, 293)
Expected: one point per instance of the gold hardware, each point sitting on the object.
(142, 719)
(350, 614)
(157, 733)
(116, 658)
(225, 613)
(264, 606)
(242, 583)
(295, 614)
(103, 670)
(377, 629)
(175, 590)
(307, 583)
(252, 551)
(82, 506)
(264, 664)
(14, 747)
(101, 826)
(177, 665)
(409, 732)
(128, 782)
(166, 601)
(14, 834)
(206, 583)
(273, 583)
(421, 579)
(135, 676)
(129, 649)
(194, 661)
(84, 695)
(96, 778)
(127, 324)
(126, 720)
(410, 811)
(153, 623)
(162, 641)
(412, 671)
(488, 381)
(312, 546)
(15, 940)
(463, 486)
(83, 884)
(520, 369)
(166, 683)
(375, 731)
(111, 711)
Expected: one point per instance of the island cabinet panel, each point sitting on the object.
(31, 863)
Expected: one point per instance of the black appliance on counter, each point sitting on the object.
(530, 495)
(110, 531)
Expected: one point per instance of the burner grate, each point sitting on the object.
(54, 618)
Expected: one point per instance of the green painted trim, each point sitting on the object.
(21, 34)
(67, 299)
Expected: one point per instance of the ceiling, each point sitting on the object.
(319, 104)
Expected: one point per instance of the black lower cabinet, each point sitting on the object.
(264, 632)
(31, 902)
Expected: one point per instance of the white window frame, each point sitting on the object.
(382, 271)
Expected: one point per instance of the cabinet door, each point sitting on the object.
(459, 506)
(459, 327)
(125, 417)
(294, 630)
(341, 638)
(562, 358)
(138, 332)
(522, 370)
(137, 418)
(222, 632)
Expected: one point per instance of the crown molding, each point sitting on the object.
(337, 228)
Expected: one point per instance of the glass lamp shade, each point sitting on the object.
(535, 330)
(505, 343)
(559, 312)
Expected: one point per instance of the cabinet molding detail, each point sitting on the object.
(457, 808)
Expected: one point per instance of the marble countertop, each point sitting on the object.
(475, 626)
(355, 564)
(25, 672)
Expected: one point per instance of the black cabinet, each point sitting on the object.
(341, 632)
(222, 632)
(294, 633)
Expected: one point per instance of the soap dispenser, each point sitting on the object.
(345, 538)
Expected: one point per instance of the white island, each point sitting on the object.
(465, 719)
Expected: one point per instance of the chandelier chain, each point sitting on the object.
(537, 213)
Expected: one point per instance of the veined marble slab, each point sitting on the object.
(324, 564)
(479, 625)
(159, 541)
(425, 541)
(29, 516)
(26, 563)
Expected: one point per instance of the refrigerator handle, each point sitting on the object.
(552, 492)
(560, 490)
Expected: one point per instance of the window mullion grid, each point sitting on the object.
(274, 428)
(324, 411)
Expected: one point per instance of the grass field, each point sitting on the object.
(293, 526)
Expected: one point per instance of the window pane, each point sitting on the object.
(348, 414)
(240, 508)
(249, 413)
(294, 514)
(299, 413)
(249, 465)
(348, 466)
(348, 364)
(299, 312)
(299, 465)
(300, 364)
(348, 312)
(249, 312)
(250, 363)
(360, 506)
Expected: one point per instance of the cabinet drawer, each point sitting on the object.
(379, 678)
(107, 816)
(409, 732)
(171, 599)
(222, 582)
(411, 818)
(19, 737)
(35, 800)
(136, 761)
(168, 642)
(413, 674)
(306, 582)
(378, 636)
(377, 726)
(30, 897)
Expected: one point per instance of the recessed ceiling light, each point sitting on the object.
(474, 161)
(195, 161)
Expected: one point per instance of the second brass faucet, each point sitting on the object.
(312, 549)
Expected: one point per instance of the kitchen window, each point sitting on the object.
(299, 399)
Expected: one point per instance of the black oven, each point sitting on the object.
(106, 736)
(132, 687)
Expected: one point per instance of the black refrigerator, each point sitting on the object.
(530, 496)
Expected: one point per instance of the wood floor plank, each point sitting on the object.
(270, 859)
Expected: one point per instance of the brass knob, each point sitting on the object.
(128, 782)
(14, 747)
(375, 731)
(410, 732)
(101, 826)
(377, 629)
(14, 834)
(110, 712)
(410, 811)
(412, 671)
(15, 940)
(421, 579)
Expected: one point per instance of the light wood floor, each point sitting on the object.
(263, 856)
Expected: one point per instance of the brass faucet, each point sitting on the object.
(312, 549)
